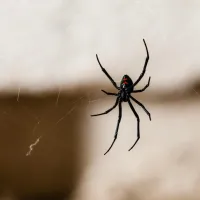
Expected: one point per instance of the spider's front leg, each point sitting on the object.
(145, 65)
(106, 73)
(144, 88)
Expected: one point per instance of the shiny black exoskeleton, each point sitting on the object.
(124, 95)
(126, 87)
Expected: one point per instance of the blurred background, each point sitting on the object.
(50, 84)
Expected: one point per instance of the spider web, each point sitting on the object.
(35, 126)
(39, 121)
(74, 106)
(195, 91)
(38, 139)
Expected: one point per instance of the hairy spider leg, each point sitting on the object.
(117, 128)
(107, 111)
(138, 123)
(145, 66)
(145, 87)
(109, 93)
(140, 104)
(106, 73)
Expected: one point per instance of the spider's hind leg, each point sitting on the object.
(107, 111)
(117, 128)
(138, 123)
(109, 93)
(143, 107)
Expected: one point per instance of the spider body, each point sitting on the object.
(124, 95)
(126, 87)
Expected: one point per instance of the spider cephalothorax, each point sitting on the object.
(124, 95)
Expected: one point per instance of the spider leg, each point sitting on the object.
(106, 73)
(138, 123)
(107, 111)
(118, 122)
(143, 89)
(109, 93)
(145, 66)
(140, 104)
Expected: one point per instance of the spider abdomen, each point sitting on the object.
(126, 83)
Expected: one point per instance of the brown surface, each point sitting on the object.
(51, 169)
(54, 166)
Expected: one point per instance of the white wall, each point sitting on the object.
(46, 42)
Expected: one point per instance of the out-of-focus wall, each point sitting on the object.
(69, 158)
(53, 126)
(52, 44)
(44, 44)
(165, 162)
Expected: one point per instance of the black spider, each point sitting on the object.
(124, 95)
